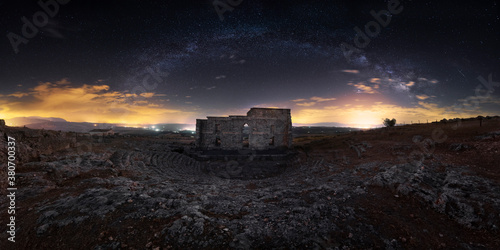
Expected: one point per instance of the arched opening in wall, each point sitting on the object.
(217, 141)
(271, 141)
(245, 135)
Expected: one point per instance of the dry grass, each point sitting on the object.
(395, 144)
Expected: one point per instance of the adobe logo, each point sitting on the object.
(39, 20)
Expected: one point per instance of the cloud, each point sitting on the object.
(147, 95)
(306, 104)
(364, 89)
(90, 103)
(398, 84)
(312, 101)
(474, 103)
(352, 71)
(410, 84)
(425, 80)
(320, 99)
(19, 94)
(64, 81)
(422, 97)
(480, 99)
(220, 77)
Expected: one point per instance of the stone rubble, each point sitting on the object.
(303, 203)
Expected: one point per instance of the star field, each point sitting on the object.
(176, 61)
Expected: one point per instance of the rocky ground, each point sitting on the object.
(393, 188)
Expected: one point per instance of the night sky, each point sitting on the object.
(138, 62)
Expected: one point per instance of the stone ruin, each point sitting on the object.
(260, 129)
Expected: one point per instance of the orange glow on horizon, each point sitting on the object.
(368, 111)
(90, 103)
(99, 104)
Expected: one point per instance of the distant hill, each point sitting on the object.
(21, 121)
(65, 126)
(321, 130)
(322, 124)
(53, 123)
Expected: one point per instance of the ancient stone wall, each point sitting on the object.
(260, 129)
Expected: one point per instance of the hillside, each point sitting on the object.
(415, 186)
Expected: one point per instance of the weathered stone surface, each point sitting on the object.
(454, 192)
(459, 146)
(262, 128)
(120, 197)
